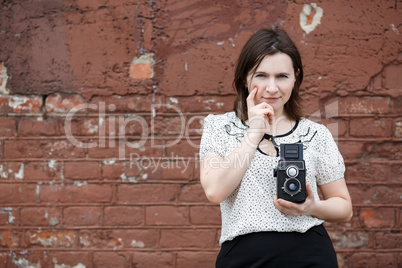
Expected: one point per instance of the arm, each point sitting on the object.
(221, 176)
(336, 205)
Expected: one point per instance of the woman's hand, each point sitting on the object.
(260, 116)
(296, 209)
(335, 207)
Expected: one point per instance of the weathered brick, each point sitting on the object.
(345, 240)
(384, 150)
(373, 260)
(194, 125)
(125, 171)
(153, 259)
(107, 151)
(9, 216)
(132, 125)
(165, 168)
(88, 126)
(181, 70)
(85, 193)
(342, 259)
(192, 193)
(63, 103)
(392, 76)
(126, 148)
(10, 239)
(369, 171)
(337, 127)
(70, 258)
(8, 126)
(398, 128)
(205, 215)
(310, 104)
(193, 69)
(354, 223)
(123, 216)
(152, 193)
(129, 103)
(196, 259)
(54, 239)
(395, 172)
(141, 67)
(82, 170)
(43, 170)
(38, 127)
(364, 105)
(40, 216)
(20, 104)
(119, 239)
(30, 258)
(109, 259)
(388, 240)
(81, 216)
(187, 238)
(378, 217)
(17, 193)
(370, 127)
(369, 194)
(166, 215)
(351, 150)
(108, 127)
(213, 104)
(3, 255)
(396, 105)
(183, 148)
(168, 125)
(12, 170)
(48, 149)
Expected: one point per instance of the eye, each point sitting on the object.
(283, 76)
(260, 75)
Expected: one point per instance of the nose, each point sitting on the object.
(271, 87)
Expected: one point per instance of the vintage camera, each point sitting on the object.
(291, 173)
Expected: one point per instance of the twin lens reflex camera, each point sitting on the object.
(291, 173)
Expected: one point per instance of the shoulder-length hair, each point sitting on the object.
(268, 41)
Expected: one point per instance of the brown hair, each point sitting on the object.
(268, 41)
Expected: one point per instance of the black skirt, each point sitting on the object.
(279, 249)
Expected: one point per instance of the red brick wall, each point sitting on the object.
(85, 186)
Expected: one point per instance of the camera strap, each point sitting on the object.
(272, 140)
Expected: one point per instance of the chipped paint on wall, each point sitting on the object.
(3, 79)
(8, 210)
(310, 17)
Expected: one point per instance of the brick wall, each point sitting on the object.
(101, 112)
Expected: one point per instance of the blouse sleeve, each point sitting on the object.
(212, 140)
(330, 165)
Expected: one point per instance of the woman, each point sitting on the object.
(240, 149)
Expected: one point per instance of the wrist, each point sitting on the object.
(254, 138)
(314, 206)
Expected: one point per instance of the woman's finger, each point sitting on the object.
(269, 112)
(250, 98)
(309, 191)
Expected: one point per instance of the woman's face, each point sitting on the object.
(274, 80)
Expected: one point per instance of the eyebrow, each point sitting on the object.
(281, 73)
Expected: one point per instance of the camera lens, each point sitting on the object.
(292, 186)
(292, 171)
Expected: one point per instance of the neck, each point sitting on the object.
(280, 114)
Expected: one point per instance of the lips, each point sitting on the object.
(270, 99)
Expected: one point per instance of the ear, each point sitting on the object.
(297, 72)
